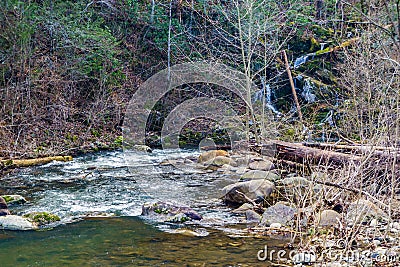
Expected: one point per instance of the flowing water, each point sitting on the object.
(99, 199)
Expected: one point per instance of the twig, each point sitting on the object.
(296, 100)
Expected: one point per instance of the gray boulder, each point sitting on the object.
(252, 216)
(278, 213)
(242, 209)
(14, 222)
(255, 189)
(262, 165)
(169, 212)
(328, 218)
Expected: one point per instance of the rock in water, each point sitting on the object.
(143, 148)
(14, 199)
(255, 190)
(3, 207)
(252, 216)
(208, 155)
(278, 213)
(42, 218)
(14, 222)
(242, 209)
(170, 213)
(329, 218)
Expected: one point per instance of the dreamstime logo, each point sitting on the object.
(336, 253)
(220, 111)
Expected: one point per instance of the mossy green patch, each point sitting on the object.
(42, 218)
(7, 199)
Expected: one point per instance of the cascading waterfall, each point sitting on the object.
(307, 91)
(265, 94)
(300, 61)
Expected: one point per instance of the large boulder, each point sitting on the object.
(168, 212)
(252, 216)
(208, 155)
(255, 190)
(328, 218)
(3, 207)
(14, 222)
(278, 213)
(263, 165)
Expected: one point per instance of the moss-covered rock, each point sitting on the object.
(42, 218)
(14, 199)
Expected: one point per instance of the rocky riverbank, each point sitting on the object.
(326, 224)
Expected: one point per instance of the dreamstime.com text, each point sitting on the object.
(328, 255)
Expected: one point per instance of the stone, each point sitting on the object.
(278, 213)
(142, 148)
(242, 170)
(275, 225)
(178, 218)
(14, 222)
(242, 161)
(187, 232)
(254, 190)
(3, 207)
(220, 161)
(168, 212)
(363, 210)
(41, 218)
(252, 216)
(262, 165)
(243, 208)
(208, 155)
(328, 218)
(14, 199)
(257, 174)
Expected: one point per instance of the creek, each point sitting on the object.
(99, 197)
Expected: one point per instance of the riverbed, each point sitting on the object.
(99, 197)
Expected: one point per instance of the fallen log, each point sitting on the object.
(378, 152)
(297, 152)
(18, 163)
(359, 148)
